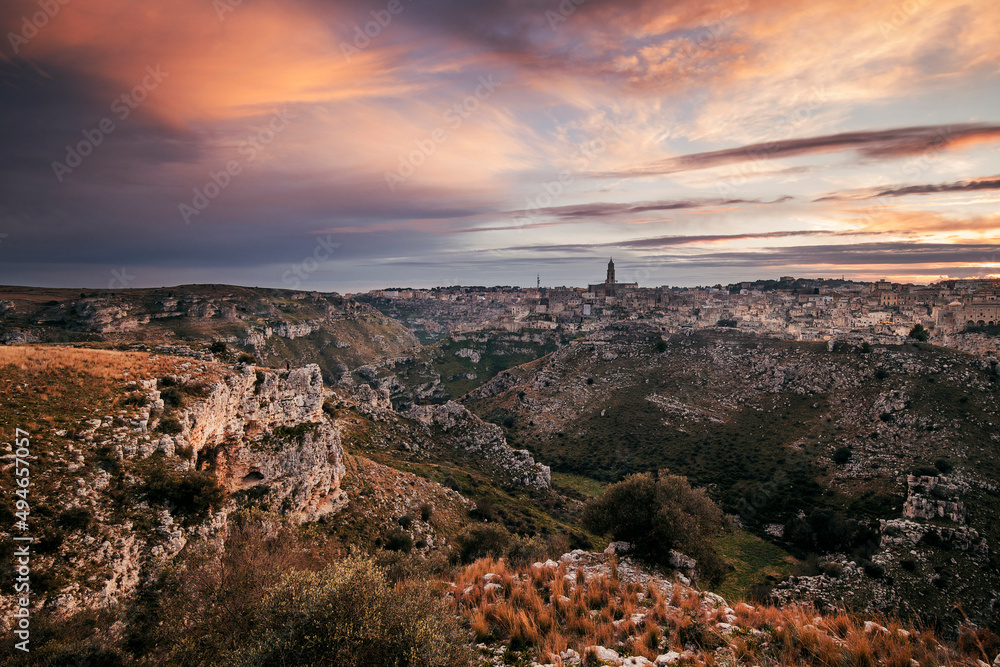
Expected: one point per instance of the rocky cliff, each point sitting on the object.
(143, 467)
(262, 430)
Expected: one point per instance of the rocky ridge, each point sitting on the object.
(449, 430)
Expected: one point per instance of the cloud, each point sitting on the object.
(870, 144)
(676, 240)
(849, 255)
(990, 183)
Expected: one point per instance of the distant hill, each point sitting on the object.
(272, 324)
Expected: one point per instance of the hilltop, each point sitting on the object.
(274, 325)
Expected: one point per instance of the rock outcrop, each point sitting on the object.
(266, 429)
(483, 440)
(933, 498)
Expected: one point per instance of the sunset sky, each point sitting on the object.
(347, 146)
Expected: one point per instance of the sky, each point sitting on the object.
(347, 146)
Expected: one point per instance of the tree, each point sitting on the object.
(657, 514)
(918, 332)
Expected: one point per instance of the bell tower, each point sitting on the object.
(611, 272)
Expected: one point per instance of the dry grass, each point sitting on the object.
(547, 610)
(107, 364)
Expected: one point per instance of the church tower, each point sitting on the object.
(611, 272)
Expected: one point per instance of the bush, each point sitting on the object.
(926, 471)
(246, 358)
(398, 539)
(919, 333)
(172, 397)
(426, 511)
(944, 466)
(75, 518)
(134, 399)
(482, 541)
(657, 514)
(881, 374)
(842, 455)
(191, 493)
(350, 614)
(218, 348)
(169, 426)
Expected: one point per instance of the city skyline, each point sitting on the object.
(348, 146)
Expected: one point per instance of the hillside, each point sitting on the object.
(174, 502)
(455, 365)
(810, 445)
(274, 325)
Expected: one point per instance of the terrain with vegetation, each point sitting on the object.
(214, 498)
(273, 325)
(880, 462)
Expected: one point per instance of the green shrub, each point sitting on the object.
(191, 493)
(169, 426)
(397, 539)
(199, 389)
(426, 511)
(75, 518)
(482, 541)
(172, 397)
(657, 514)
(218, 348)
(842, 455)
(134, 399)
(246, 358)
(918, 332)
(350, 614)
(944, 466)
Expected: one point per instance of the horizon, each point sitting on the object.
(345, 145)
(715, 285)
